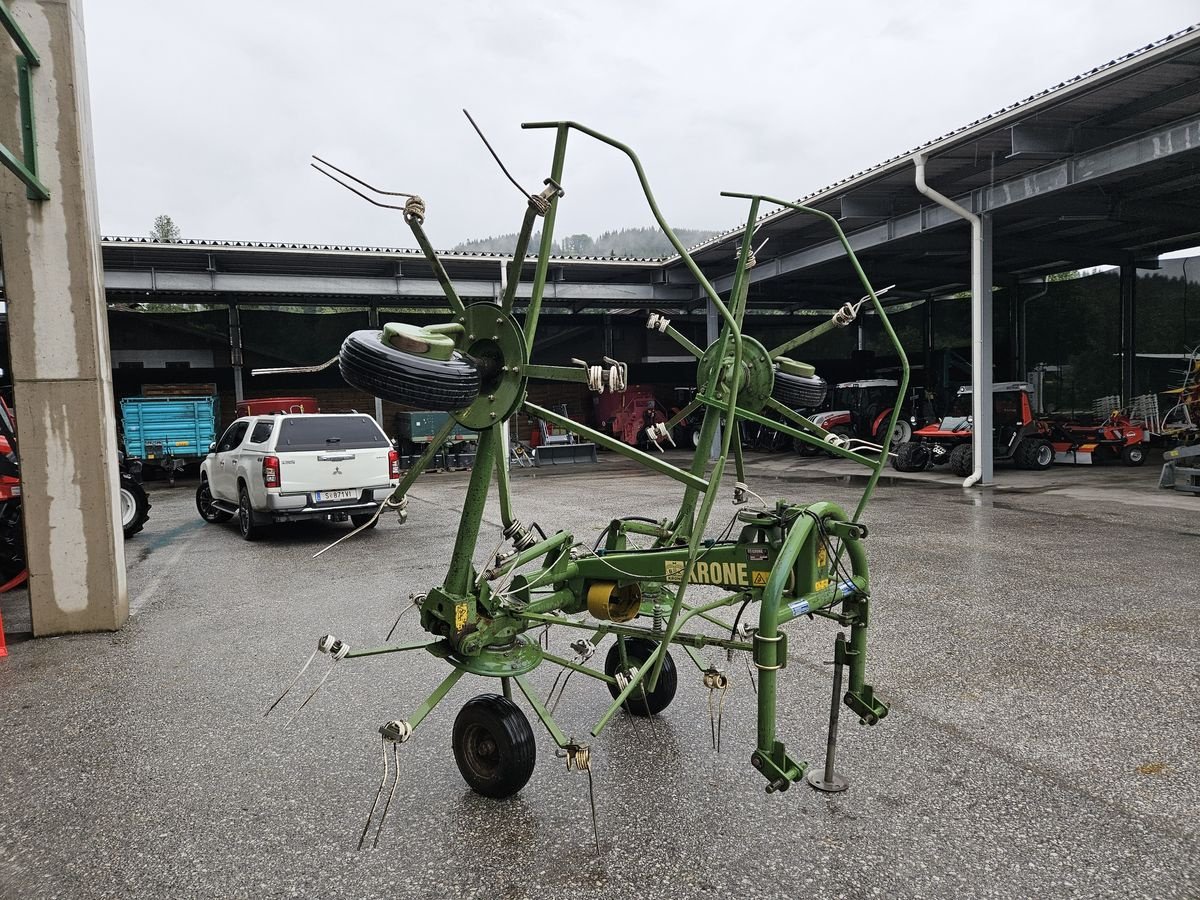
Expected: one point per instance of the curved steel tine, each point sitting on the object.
(355, 190)
(369, 187)
(496, 157)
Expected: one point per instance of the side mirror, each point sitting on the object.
(212, 448)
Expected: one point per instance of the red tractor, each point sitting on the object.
(861, 409)
(1017, 436)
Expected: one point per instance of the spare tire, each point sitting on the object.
(370, 365)
(799, 391)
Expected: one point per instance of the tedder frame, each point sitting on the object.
(791, 559)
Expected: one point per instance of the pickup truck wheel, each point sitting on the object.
(360, 521)
(369, 364)
(135, 505)
(248, 525)
(204, 505)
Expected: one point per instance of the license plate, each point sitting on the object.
(325, 496)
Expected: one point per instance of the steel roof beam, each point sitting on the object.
(1053, 180)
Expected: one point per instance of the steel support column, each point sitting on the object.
(981, 347)
(235, 351)
(1128, 331)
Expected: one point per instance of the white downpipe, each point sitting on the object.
(977, 288)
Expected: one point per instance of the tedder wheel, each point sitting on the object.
(1133, 454)
(799, 391)
(651, 702)
(911, 457)
(962, 460)
(1034, 454)
(493, 746)
(204, 504)
(371, 365)
(135, 505)
(250, 528)
(360, 521)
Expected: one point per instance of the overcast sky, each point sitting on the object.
(209, 111)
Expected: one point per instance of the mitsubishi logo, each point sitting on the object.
(337, 471)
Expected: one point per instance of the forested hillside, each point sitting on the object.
(635, 242)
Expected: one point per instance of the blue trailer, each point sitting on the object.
(168, 433)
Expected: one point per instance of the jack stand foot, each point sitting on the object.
(835, 785)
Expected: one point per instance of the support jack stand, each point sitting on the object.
(828, 781)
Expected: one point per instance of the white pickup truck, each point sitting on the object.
(280, 468)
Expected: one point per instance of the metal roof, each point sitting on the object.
(1063, 173)
(1101, 169)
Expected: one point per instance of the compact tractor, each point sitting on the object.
(1018, 435)
(1081, 444)
(634, 584)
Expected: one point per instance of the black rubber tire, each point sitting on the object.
(1133, 454)
(135, 505)
(799, 391)
(399, 377)
(1034, 454)
(493, 746)
(12, 541)
(360, 521)
(911, 457)
(248, 525)
(647, 703)
(208, 512)
(962, 460)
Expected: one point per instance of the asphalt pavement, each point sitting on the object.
(1039, 649)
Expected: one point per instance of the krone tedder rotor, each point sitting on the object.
(790, 560)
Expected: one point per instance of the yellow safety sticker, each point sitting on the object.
(460, 616)
(760, 579)
(821, 584)
(822, 556)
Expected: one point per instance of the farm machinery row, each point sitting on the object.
(634, 584)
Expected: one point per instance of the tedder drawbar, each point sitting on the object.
(791, 560)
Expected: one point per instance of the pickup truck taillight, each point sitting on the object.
(270, 471)
(393, 464)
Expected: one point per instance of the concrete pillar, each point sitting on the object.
(1128, 331)
(58, 338)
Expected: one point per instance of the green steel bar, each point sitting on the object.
(459, 576)
(456, 305)
(534, 309)
(815, 602)
(700, 662)
(683, 414)
(802, 435)
(414, 472)
(518, 260)
(558, 373)
(435, 698)
(542, 713)
(392, 648)
(541, 548)
(741, 286)
(812, 439)
(18, 36)
(692, 639)
(809, 335)
(683, 342)
(610, 443)
(710, 618)
(578, 667)
(30, 180)
(739, 461)
(879, 311)
(502, 486)
(768, 631)
(36, 190)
